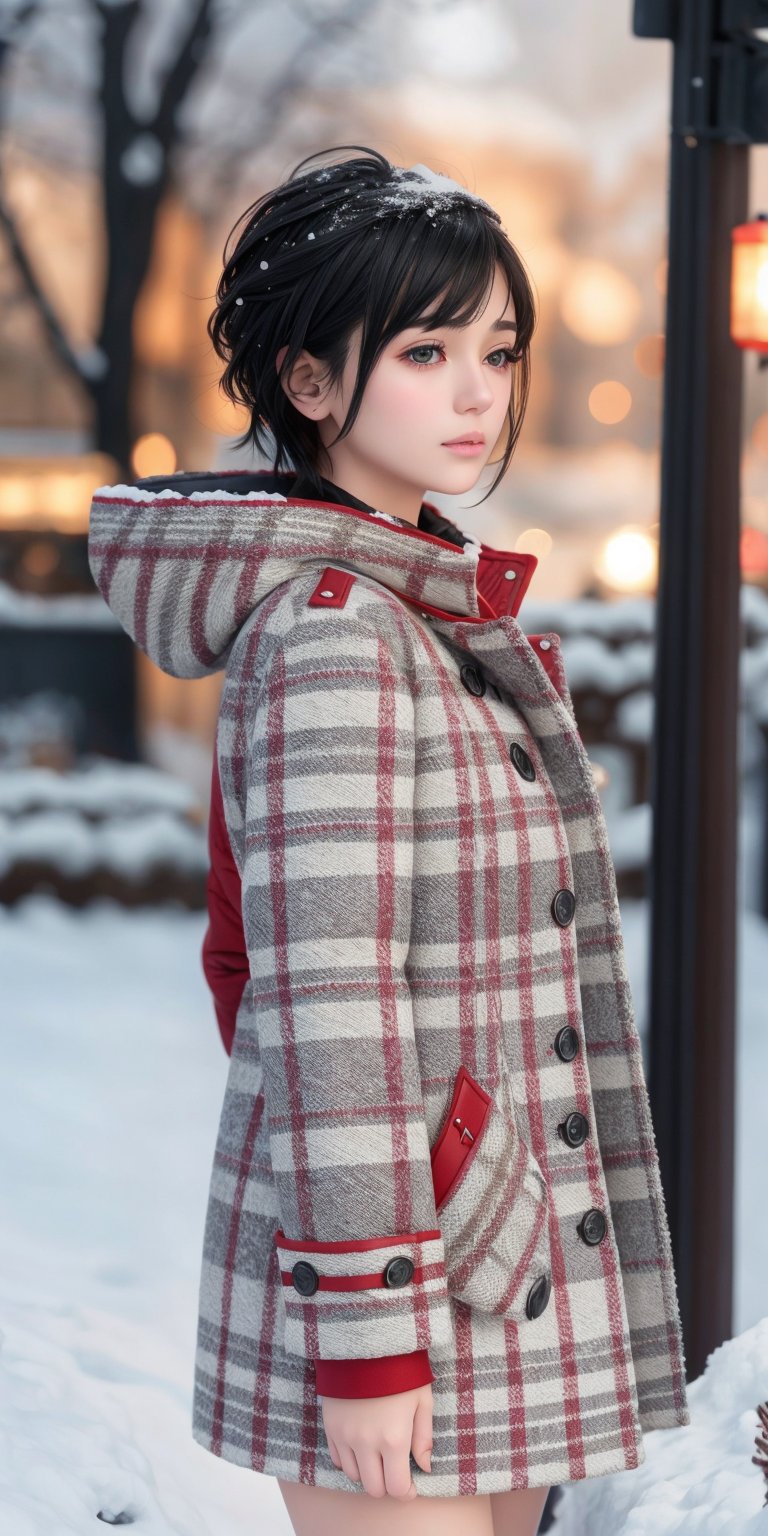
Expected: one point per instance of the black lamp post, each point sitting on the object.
(719, 109)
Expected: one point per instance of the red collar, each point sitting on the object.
(503, 575)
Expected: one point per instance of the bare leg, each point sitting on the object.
(335, 1512)
(518, 1512)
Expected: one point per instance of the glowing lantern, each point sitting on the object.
(749, 284)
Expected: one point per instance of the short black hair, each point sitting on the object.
(355, 243)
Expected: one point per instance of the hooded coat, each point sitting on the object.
(435, 1159)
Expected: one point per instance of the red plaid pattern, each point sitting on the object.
(397, 879)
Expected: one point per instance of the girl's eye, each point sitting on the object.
(506, 353)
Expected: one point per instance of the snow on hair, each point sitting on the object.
(358, 244)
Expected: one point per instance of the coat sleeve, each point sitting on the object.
(326, 898)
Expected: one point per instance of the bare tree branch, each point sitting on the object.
(36, 293)
(12, 25)
(183, 71)
(293, 77)
(29, 280)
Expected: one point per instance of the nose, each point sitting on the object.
(473, 390)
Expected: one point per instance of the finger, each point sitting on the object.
(371, 1472)
(333, 1450)
(421, 1435)
(397, 1471)
(349, 1463)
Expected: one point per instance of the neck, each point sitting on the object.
(377, 489)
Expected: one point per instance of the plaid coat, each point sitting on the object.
(435, 1158)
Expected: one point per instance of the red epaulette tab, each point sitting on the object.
(543, 648)
(332, 590)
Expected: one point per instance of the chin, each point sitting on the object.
(464, 478)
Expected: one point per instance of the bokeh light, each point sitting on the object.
(600, 304)
(153, 454)
(649, 356)
(628, 560)
(534, 541)
(610, 402)
(759, 434)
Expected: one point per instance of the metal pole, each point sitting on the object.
(692, 979)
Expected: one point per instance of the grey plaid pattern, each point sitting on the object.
(397, 880)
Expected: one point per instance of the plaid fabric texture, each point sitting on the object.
(398, 874)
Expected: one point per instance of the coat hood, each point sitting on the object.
(183, 559)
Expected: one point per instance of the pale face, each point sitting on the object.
(429, 386)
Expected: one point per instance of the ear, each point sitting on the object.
(302, 386)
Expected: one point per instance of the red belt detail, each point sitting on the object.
(360, 1282)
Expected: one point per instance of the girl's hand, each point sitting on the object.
(370, 1438)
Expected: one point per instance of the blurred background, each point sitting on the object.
(133, 133)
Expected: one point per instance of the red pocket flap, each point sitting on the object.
(460, 1134)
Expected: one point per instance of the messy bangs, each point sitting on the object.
(358, 244)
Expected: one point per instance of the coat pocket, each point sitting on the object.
(491, 1201)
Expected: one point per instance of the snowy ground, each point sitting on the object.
(110, 1092)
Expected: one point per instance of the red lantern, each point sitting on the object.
(749, 284)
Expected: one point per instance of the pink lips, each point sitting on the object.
(465, 448)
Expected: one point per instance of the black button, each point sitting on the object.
(563, 907)
(522, 761)
(538, 1296)
(567, 1043)
(574, 1129)
(305, 1278)
(592, 1227)
(473, 679)
(398, 1271)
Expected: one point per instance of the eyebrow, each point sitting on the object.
(454, 325)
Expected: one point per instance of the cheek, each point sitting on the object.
(399, 396)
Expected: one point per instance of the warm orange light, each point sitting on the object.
(153, 454)
(41, 558)
(599, 303)
(753, 548)
(749, 285)
(760, 434)
(534, 541)
(610, 402)
(649, 356)
(628, 560)
(52, 492)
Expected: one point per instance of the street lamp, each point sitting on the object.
(719, 111)
(749, 286)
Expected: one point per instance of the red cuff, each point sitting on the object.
(373, 1378)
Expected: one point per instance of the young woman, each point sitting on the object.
(437, 1275)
